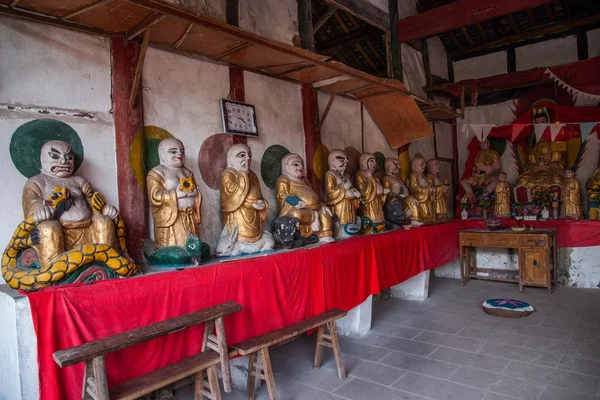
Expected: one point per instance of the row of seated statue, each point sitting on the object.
(70, 234)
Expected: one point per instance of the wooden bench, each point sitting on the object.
(262, 343)
(92, 353)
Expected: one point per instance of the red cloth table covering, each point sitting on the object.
(275, 290)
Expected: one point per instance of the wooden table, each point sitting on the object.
(537, 248)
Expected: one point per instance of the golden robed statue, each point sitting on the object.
(371, 190)
(571, 196)
(296, 198)
(340, 195)
(486, 169)
(440, 204)
(174, 198)
(420, 188)
(502, 191)
(399, 192)
(242, 206)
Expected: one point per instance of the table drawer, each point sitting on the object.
(471, 239)
(503, 241)
(533, 240)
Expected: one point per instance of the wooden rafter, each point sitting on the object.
(360, 49)
(482, 32)
(513, 23)
(549, 12)
(531, 18)
(454, 39)
(325, 112)
(295, 69)
(144, 24)
(86, 9)
(364, 10)
(332, 10)
(567, 7)
(465, 33)
(14, 3)
(498, 28)
(375, 52)
(179, 41)
(138, 69)
(234, 50)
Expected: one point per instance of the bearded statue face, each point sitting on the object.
(392, 166)
(433, 166)
(293, 165)
(338, 161)
(238, 157)
(484, 145)
(171, 153)
(57, 159)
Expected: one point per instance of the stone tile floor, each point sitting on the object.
(447, 348)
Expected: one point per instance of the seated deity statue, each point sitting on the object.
(571, 196)
(175, 203)
(545, 167)
(69, 233)
(340, 196)
(243, 207)
(440, 204)
(371, 191)
(593, 183)
(420, 188)
(485, 172)
(296, 198)
(502, 191)
(399, 204)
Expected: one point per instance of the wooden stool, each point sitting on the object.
(260, 345)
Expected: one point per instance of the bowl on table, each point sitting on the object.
(493, 224)
(518, 228)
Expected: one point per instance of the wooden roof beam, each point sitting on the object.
(86, 9)
(513, 23)
(531, 18)
(332, 10)
(144, 24)
(549, 12)
(348, 39)
(454, 39)
(364, 10)
(14, 3)
(482, 32)
(179, 41)
(458, 14)
(466, 35)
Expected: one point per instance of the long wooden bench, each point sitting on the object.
(95, 385)
(262, 343)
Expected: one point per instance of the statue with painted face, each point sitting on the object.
(486, 169)
(174, 198)
(421, 189)
(399, 203)
(296, 198)
(242, 206)
(340, 196)
(571, 196)
(440, 204)
(371, 190)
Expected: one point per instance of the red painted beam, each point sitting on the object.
(238, 93)
(133, 203)
(458, 14)
(312, 136)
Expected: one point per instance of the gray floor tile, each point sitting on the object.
(520, 354)
(395, 330)
(457, 342)
(581, 365)
(301, 371)
(437, 389)
(497, 396)
(492, 335)
(404, 345)
(358, 389)
(554, 393)
(299, 391)
(356, 348)
(587, 351)
(552, 346)
(494, 382)
(422, 365)
(591, 329)
(536, 331)
(435, 326)
(374, 372)
(544, 375)
(469, 359)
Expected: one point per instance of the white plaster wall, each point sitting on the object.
(406, 8)
(437, 57)
(275, 19)
(413, 70)
(548, 53)
(480, 67)
(279, 112)
(342, 126)
(423, 146)
(208, 8)
(60, 72)
(382, 4)
(593, 38)
(443, 137)
(182, 95)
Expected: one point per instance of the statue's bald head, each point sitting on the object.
(171, 153)
(57, 159)
(337, 160)
(433, 166)
(367, 162)
(392, 166)
(418, 163)
(238, 157)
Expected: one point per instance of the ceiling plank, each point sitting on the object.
(454, 40)
(513, 23)
(86, 8)
(466, 35)
(460, 13)
(482, 32)
(375, 52)
(14, 3)
(324, 18)
(144, 24)
(364, 10)
(183, 36)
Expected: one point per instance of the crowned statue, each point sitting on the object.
(340, 196)
(399, 203)
(372, 192)
(243, 207)
(175, 204)
(571, 196)
(486, 169)
(440, 204)
(296, 198)
(69, 233)
(420, 188)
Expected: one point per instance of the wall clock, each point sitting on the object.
(239, 118)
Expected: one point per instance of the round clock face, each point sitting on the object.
(239, 118)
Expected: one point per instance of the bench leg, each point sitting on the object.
(209, 327)
(251, 376)
(223, 352)
(207, 388)
(95, 385)
(319, 349)
(268, 373)
(199, 386)
(213, 382)
(335, 343)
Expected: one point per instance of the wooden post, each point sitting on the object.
(426, 66)
(450, 67)
(312, 133)
(236, 74)
(395, 52)
(582, 46)
(305, 25)
(455, 170)
(511, 60)
(133, 202)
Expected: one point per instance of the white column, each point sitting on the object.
(416, 288)
(358, 321)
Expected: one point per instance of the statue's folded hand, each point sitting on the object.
(259, 205)
(43, 214)
(301, 204)
(386, 191)
(110, 211)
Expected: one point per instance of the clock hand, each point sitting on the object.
(243, 122)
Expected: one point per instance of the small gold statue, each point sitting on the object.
(420, 188)
(440, 204)
(340, 196)
(296, 198)
(593, 183)
(502, 205)
(485, 172)
(399, 203)
(571, 196)
(372, 191)
(174, 198)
